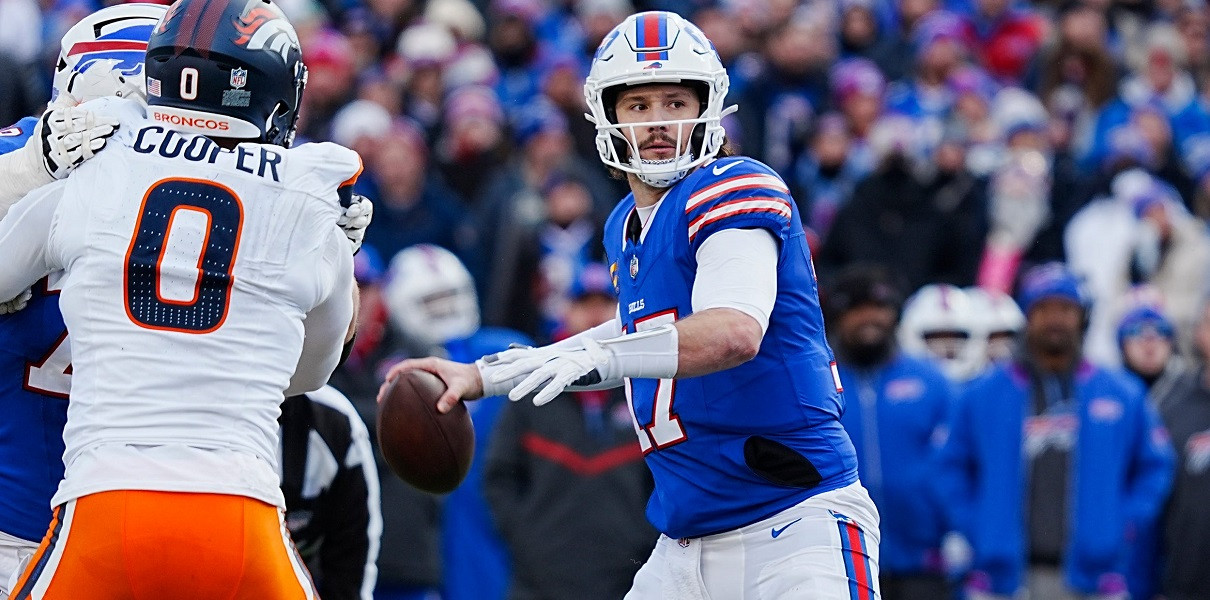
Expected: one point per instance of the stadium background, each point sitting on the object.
(950, 141)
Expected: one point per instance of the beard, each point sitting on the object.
(866, 352)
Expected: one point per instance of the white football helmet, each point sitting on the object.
(431, 296)
(938, 323)
(103, 55)
(657, 47)
(999, 320)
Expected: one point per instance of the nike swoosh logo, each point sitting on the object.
(777, 530)
(723, 169)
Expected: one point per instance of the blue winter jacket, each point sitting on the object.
(1121, 468)
(896, 415)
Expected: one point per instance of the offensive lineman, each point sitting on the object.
(719, 341)
(202, 280)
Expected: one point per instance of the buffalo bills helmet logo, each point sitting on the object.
(265, 28)
(122, 51)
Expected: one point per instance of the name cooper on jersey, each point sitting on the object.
(172, 144)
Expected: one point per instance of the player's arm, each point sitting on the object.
(62, 139)
(328, 326)
(24, 237)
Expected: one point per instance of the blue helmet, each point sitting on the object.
(228, 69)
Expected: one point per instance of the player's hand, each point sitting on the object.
(68, 136)
(553, 377)
(355, 218)
(17, 303)
(461, 380)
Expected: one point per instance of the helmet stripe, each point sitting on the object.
(105, 46)
(209, 25)
(662, 27)
(188, 26)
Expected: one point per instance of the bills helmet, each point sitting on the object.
(939, 324)
(999, 319)
(229, 69)
(102, 55)
(657, 47)
(431, 296)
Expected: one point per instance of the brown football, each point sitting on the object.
(429, 450)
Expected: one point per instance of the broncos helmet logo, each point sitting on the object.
(263, 28)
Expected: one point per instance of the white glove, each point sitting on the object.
(70, 136)
(556, 373)
(17, 303)
(355, 219)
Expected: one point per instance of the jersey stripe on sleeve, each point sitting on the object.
(743, 200)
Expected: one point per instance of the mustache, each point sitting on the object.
(659, 138)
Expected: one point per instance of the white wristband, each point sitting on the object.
(652, 354)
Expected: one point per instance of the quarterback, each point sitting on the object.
(202, 276)
(719, 341)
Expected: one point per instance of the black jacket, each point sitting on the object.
(567, 489)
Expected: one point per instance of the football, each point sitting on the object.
(429, 450)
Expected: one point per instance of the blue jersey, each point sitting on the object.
(35, 361)
(733, 447)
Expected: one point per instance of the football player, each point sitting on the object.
(203, 277)
(719, 341)
(102, 55)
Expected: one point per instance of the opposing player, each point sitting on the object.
(34, 373)
(202, 279)
(719, 341)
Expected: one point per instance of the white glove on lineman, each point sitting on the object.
(17, 303)
(70, 136)
(553, 376)
(355, 219)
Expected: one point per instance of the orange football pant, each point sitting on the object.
(144, 545)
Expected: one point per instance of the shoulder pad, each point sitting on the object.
(323, 168)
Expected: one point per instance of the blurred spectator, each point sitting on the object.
(521, 210)
(426, 49)
(1033, 193)
(897, 55)
(472, 146)
(893, 219)
(433, 307)
(1142, 234)
(330, 78)
(858, 91)
(1076, 76)
(895, 412)
(518, 50)
(972, 119)
(1185, 408)
(788, 90)
(1148, 342)
(859, 29)
(826, 174)
(942, 43)
(27, 87)
(1006, 37)
(940, 325)
(360, 125)
(960, 197)
(563, 88)
(565, 482)
(412, 203)
(1158, 77)
(1097, 463)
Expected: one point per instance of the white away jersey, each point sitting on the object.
(189, 270)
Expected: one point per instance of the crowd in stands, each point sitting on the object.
(937, 149)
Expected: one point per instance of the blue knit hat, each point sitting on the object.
(1050, 280)
(1145, 319)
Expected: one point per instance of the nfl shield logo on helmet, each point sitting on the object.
(239, 78)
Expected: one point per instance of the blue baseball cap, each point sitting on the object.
(1050, 280)
(367, 266)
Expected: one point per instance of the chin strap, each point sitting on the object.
(676, 170)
